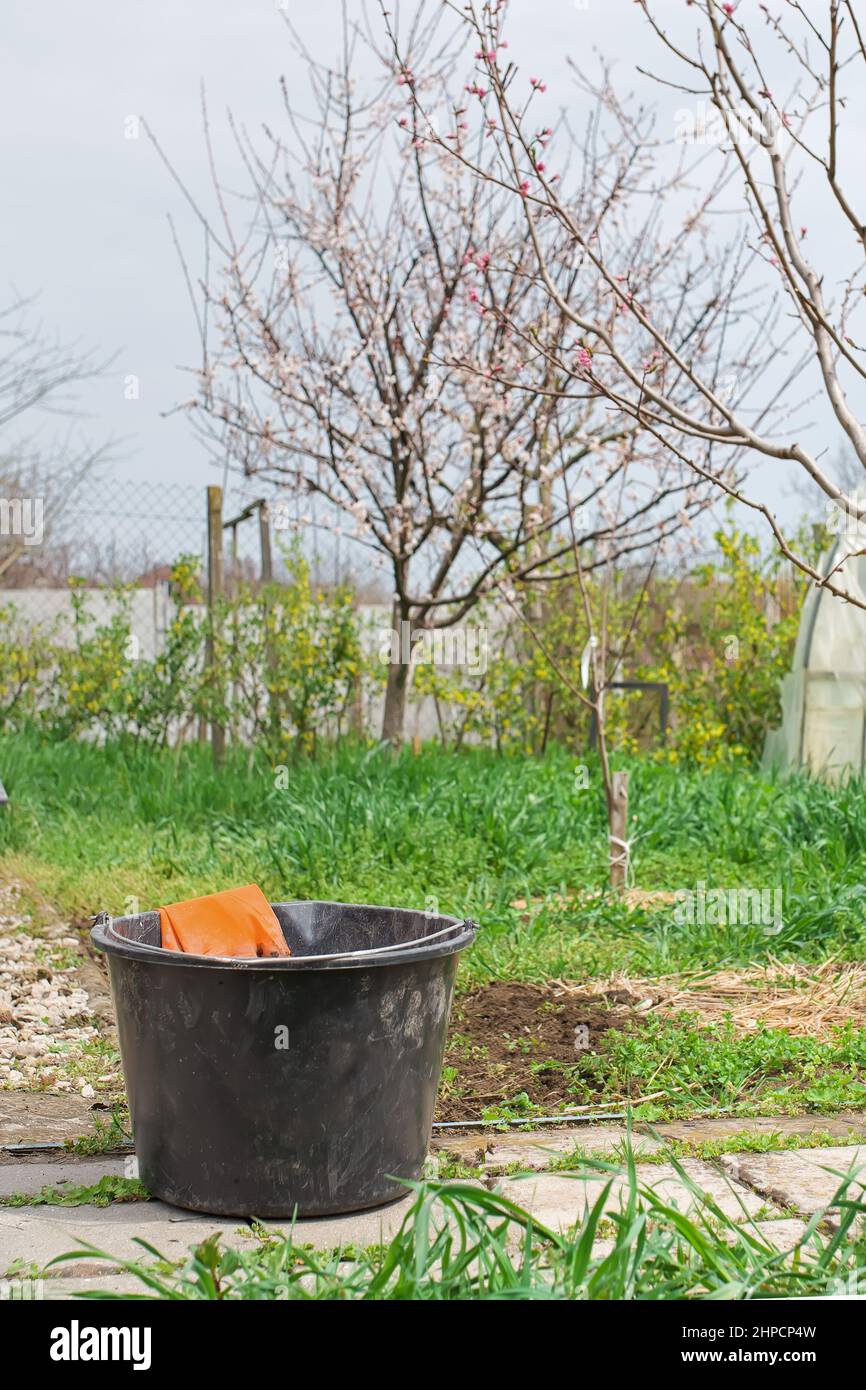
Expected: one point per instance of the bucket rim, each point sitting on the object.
(464, 929)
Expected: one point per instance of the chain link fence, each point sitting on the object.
(112, 532)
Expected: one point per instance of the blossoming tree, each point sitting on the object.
(784, 161)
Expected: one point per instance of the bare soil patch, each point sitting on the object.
(509, 1040)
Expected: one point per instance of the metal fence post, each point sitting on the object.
(215, 586)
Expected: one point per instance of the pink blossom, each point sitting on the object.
(584, 358)
(524, 187)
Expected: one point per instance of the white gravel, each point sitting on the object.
(45, 1017)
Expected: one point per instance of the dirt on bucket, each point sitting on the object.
(519, 1046)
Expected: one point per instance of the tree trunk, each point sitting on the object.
(395, 703)
(356, 706)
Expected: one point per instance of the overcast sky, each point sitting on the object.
(84, 206)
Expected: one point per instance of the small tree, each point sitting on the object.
(376, 342)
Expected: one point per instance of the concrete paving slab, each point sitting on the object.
(359, 1228)
(534, 1151)
(850, 1125)
(35, 1235)
(733, 1199)
(781, 1234)
(117, 1284)
(36, 1118)
(559, 1200)
(499, 1148)
(31, 1177)
(841, 1157)
(785, 1233)
(798, 1179)
(469, 1148)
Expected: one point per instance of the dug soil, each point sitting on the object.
(509, 1041)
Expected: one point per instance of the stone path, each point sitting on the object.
(774, 1193)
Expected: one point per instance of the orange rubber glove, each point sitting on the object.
(238, 922)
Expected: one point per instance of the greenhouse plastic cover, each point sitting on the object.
(824, 695)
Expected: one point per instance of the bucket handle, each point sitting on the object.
(389, 950)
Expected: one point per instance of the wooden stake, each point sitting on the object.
(618, 832)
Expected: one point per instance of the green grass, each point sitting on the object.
(108, 1135)
(707, 1068)
(101, 828)
(125, 829)
(460, 1241)
(104, 1193)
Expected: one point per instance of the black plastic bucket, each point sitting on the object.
(305, 1083)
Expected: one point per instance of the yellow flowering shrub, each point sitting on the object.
(286, 658)
(26, 659)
